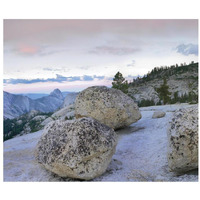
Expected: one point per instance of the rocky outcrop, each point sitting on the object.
(39, 118)
(66, 112)
(79, 149)
(26, 123)
(183, 140)
(31, 114)
(144, 92)
(46, 121)
(69, 99)
(182, 82)
(107, 105)
(158, 114)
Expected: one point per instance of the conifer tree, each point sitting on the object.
(120, 83)
(176, 97)
(164, 92)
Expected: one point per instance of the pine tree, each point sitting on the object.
(176, 97)
(120, 83)
(164, 92)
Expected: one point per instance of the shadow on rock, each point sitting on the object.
(128, 130)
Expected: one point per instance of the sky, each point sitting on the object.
(41, 55)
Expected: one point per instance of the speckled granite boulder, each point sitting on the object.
(107, 105)
(79, 149)
(158, 114)
(183, 140)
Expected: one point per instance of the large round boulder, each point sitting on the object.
(183, 140)
(107, 105)
(79, 149)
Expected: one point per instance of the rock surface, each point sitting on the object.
(39, 118)
(183, 140)
(107, 105)
(61, 114)
(69, 99)
(158, 114)
(137, 143)
(79, 149)
(46, 121)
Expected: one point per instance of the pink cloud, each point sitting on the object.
(28, 50)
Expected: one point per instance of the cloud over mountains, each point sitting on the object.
(187, 49)
(58, 79)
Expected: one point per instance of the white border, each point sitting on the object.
(92, 9)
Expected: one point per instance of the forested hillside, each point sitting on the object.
(182, 82)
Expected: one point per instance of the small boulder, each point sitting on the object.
(107, 105)
(79, 149)
(158, 114)
(183, 140)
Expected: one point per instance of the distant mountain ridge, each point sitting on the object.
(36, 120)
(16, 105)
(40, 95)
(34, 95)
